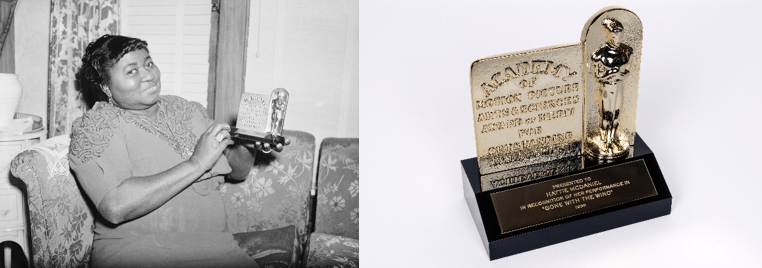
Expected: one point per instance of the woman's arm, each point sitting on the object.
(241, 156)
(240, 159)
(138, 196)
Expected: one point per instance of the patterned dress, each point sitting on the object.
(109, 145)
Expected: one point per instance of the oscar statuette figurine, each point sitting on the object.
(610, 65)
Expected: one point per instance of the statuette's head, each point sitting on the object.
(282, 94)
(279, 97)
(614, 30)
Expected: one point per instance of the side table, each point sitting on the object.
(13, 218)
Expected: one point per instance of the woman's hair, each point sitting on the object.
(98, 59)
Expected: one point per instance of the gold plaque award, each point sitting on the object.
(557, 154)
(527, 107)
(538, 106)
(261, 117)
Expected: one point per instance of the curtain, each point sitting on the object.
(73, 25)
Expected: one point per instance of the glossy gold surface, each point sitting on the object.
(613, 40)
(532, 172)
(527, 107)
(542, 105)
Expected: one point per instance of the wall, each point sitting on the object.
(32, 23)
(310, 48)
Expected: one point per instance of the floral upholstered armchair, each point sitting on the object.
(277, 192)
(275, 195)
(335, 242)
(60, 217)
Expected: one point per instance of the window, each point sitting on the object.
(177, 33)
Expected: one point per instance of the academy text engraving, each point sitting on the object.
(534, 67)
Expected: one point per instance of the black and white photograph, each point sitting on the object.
(226, 133)
(121, 133)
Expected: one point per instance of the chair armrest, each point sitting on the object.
(29, 166)
(61, 217)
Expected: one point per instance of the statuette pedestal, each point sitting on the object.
(595, 198)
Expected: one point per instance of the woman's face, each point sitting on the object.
(135, 81)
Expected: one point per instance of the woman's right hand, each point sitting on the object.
(210, 145)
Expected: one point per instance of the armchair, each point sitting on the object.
(335, 241)
(276, 194)
(61, 218)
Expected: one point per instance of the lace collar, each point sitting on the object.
(177, 132)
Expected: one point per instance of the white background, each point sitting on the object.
(698, 109)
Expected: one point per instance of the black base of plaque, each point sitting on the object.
(500, 244)
(236, 133)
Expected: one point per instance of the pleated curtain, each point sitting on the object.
(73, 25)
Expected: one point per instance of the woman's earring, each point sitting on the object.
(110, 98)
(108, 94)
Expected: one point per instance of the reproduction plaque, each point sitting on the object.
(557, 153)
(261, 117)
(557, 102)
(527, 107)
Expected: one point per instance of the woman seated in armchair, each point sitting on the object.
(152, 166)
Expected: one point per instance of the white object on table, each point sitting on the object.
(10, 89)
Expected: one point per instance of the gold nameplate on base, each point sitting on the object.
(560, 198)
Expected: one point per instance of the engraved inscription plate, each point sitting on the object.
(560, 198)
(527, 107)
(253, 112)
(531, 172)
